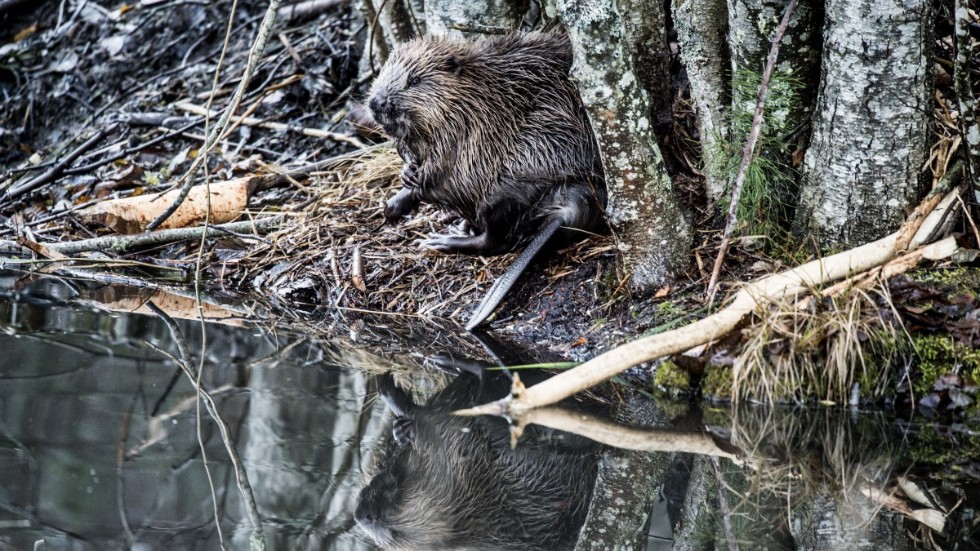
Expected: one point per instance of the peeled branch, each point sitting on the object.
(918, 229)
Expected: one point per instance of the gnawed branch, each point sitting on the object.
(799, 281)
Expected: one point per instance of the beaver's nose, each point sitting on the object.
(376, 104)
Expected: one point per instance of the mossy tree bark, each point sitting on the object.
(724, 46)
(871, 123)
(626, 486)
(606, 35)
(702, 29)
(751, 25)
(792, 90)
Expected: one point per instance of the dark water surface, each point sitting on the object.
(99, 450)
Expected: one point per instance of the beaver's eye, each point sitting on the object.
(414, 81)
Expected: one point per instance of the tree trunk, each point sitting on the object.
(653, 234)
(699, 519)
(389, 23)
(751, 25)
(442, 15)
(824, 523)
(871, 123)
(702, 26)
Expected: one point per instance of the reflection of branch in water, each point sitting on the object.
(240, 475)
(825, 454)
(726, 510)
(890, 499)
(157, 425)
(612, 434)
(120, 459)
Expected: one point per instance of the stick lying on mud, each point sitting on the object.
(921, 224)
(124, 242)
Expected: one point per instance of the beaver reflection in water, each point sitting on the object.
(450, 482)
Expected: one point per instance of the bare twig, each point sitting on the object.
(749, 149)
(53, 172)
(217, 133)
(130, 150)
(125, 242)
(278, 126)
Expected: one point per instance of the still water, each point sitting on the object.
(101, 448)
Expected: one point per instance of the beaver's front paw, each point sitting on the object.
(400, 205)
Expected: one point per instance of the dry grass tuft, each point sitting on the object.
(819, 349)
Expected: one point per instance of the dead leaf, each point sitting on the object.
(65, 64)
(131, 215)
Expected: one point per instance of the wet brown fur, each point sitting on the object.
(451, 482)
(494, 131)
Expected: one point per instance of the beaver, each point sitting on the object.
(451, 482)
(493, 131)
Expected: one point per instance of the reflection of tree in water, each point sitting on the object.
(454, 482)
(822, 479)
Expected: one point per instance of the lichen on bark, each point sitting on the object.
(871, 123)
(442, 15)
(653, 234)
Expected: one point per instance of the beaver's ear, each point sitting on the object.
(454, 65)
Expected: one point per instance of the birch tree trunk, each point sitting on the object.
(871, 123)
(443, 14)
(389, 22)
(824, 524)
(751, 25)
(651, 230)
(702, 30)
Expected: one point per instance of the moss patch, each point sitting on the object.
(718, 382)
(938, 355)
(671, 376)
(955, 281)
(930, 445)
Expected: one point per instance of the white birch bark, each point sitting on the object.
(443, 14)
(702, 30)
(871, 123)
(652, 233)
